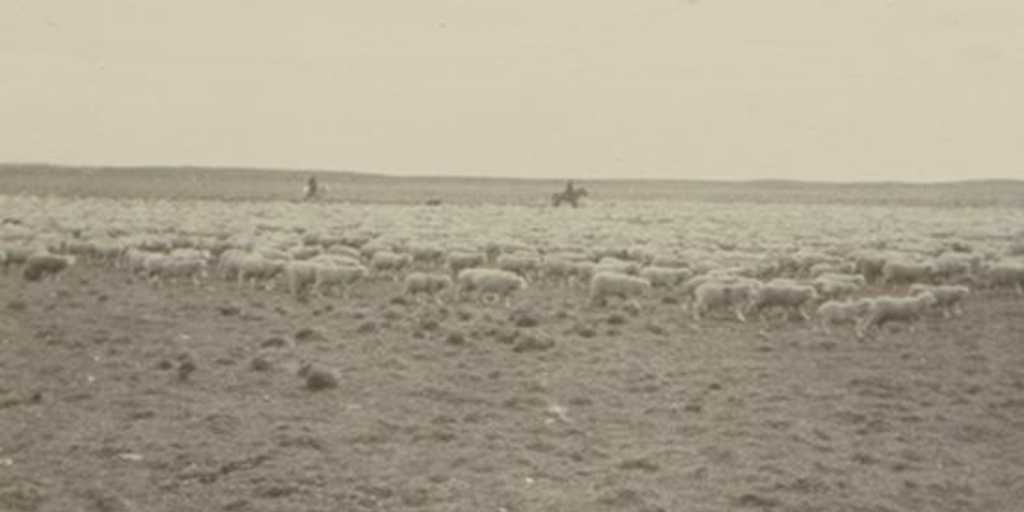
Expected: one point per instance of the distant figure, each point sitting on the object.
(570, 195)
(312, 189)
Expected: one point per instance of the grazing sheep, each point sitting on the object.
(906, 272)
(835, 312)
(15, 254)
(948, 297)
(457, 261)
(665, 277)
(490, 283)
(785, 294)
(427, 255)
(41, 265)
(432, 285)
(389, 263)
(953, 265)
(327, 278)
(889, 309)
(733, 294)
(613, 284)
(524, 264)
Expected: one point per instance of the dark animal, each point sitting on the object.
(570, 196)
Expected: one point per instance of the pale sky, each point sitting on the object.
(839, 90)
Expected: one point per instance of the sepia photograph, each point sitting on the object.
(511, 256)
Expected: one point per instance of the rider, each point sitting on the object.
(311, 188)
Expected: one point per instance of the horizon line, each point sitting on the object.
(387, 175)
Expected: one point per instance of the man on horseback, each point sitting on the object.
(570, 195)
(312, 189)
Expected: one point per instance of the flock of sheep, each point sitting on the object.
(884, 265)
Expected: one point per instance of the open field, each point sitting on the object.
(122, 392)
(248, 184)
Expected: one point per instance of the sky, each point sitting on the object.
(833, 90)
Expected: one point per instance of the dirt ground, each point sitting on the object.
(118, 397)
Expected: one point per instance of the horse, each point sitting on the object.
(570, 196)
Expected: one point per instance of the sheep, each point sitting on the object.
(948, 297)
(611, 264)
(17, 254)
(160, 268)
(838, 286)
(426, 255)
(387, 262)
(489, 282)
(849, 312)
(254, 268)
(343, 250)
(729, 293)
(524, 264)
(301, 276)
(665, 277)
(42, 264)
(613, 284)
(888, 309)
(328, 277)
(1007, 273)
(951, 265)
(897, 272)
(457, 261)
(785, 294)
(432, 285)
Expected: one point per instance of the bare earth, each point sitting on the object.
(472, 408)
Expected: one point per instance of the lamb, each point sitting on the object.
(432, 285)
(457, 261)
(490, 283)
(665, 277)
(785, 294)
(849, 312)
(42, 264)
(948, 297)
(888, 309)
(387, 262)
(734, 294)
(613, 284)
(896, 272)
(328, 277)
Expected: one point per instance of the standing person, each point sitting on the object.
(311, 188)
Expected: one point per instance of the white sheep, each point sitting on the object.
(524, 264)
(716, 293)
(838, 286)
(389, 263)
(948, 297)
(490, 283)
(832, 268)
(785, 294)
(457, 261)
(160, 269)
(889, 309)
(327, 277)
(255, 269)
(1005, 274)
(614, 284)
(906, 272)
(612, 264)
(300, 276)
(432, 285)
(43, 264)
(834, 312)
